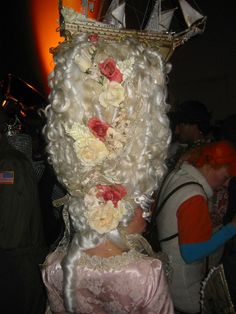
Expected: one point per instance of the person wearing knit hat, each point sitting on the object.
(191, 126)
(193, 115)
(184, 224)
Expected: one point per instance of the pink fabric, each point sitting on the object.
(53, 279)
(122, 284)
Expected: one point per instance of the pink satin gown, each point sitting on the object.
(128, 283)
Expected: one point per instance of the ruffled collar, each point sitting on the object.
(109, 263)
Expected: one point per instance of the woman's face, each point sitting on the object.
(217, 177)
(138, 223)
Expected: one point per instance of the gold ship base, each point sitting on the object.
(165, 42)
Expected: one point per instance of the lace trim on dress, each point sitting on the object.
(108, 263)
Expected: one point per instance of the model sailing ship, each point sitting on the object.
(112, 25)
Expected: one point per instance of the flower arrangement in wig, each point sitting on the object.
(99, 139)
(107, 128)
(105, 207)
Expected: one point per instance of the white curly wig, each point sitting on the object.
(107, 133)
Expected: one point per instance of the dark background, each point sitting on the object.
(18, 51)
(203, 69)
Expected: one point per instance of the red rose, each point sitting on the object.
(108, 68)
(93, 38)
(112, 193)
(98, 128)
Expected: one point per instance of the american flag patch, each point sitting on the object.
(6, 177)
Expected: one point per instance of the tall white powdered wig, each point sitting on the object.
(108, 134)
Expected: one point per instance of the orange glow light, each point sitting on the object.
(45, 23)
(45, 19)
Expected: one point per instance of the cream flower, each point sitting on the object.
(105, 217)
(89, 150)
(112, 94)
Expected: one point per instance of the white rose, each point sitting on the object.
(105, 217)
(91, 154)
(89, 150)
(112, 95)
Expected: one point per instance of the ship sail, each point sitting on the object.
(190, 14)
(194, 20)
(115, 14)
(160, 21)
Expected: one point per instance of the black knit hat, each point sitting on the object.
(192, 112)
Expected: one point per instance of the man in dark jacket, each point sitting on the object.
(22, 246)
